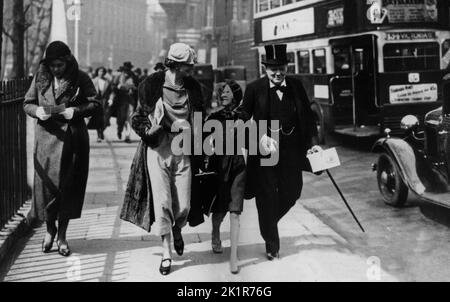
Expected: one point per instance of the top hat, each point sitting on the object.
(275, 55)
(127, 66)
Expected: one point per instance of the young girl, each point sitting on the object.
(231, 177)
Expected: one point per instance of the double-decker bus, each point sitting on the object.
(364, 63)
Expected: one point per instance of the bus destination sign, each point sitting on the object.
(423, 35)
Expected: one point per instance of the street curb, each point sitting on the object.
(14, 229)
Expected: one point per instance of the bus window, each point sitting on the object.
(275, 4)
(446, 53)
(303, 61)
(341, 60)
(319, 61)
(291, 64)
(411, 56)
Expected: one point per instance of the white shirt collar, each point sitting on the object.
(283, 84)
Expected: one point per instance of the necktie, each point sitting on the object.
(282, 89)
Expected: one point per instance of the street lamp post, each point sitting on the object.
(88, 46)
(77, 3)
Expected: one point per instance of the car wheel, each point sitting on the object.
(390, 182)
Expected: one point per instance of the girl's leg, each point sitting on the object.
(234, 238)
(99, 135)
(63, 246)
(216, 243)
(128, 124)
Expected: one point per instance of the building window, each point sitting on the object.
(191, 16)
(264, 5)
(275, 4)
(319, 61)
(235, 9)
(303, 61)
(245, 9)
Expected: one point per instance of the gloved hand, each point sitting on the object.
(153, 135)
(68, 113)
(268, 144)
(40, 113)
(316, 149)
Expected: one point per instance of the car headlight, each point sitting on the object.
(409, 122)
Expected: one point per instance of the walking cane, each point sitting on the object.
(345, 201)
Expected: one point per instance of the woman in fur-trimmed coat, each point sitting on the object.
(61, 152)
(161, 191)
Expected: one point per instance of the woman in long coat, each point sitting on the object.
(60, 97)
(103, 87)
(160, 186)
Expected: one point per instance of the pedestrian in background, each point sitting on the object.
(160, 184)
(231, 176)
(103, 87)
(109, 75)
(124, 96)
(61, 154)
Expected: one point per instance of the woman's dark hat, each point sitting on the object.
(275, 55)
(56, 50)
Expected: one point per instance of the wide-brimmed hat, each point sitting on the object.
(275, 55)
(182, 53)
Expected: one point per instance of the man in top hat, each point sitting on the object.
(279, 97)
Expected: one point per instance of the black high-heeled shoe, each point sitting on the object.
(47, 247)
(65, 252)
(165, 270)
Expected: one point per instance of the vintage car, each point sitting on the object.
(420, 162)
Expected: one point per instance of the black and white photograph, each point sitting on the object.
(244, 143)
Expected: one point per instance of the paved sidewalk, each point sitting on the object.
(108, 249)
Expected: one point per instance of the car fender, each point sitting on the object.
(404, 156)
